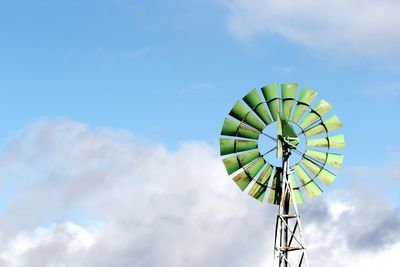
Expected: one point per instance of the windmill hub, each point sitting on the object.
(266, 145)
(277, 153)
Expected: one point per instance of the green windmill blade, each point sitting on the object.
(336, 141)
(319, 110)
(236, 162)
(323, 174)
(230, 146)
(255, 167)
(327, 125)
(244, 178)
(253, 100)
(332, 159)
(241, 113)
(296, 190)
(312, 189)
(271, 96)
(259, 188)
(305, 99)
(232, 128)
(288, 92)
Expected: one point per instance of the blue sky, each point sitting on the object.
(167, 72)
(152, 67)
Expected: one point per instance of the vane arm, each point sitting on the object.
(269, 151)
(270, 137)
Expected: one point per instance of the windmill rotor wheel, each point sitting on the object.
(260, 127)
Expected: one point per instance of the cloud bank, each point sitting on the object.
(81, 197)
(363, 27)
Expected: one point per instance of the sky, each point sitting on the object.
(111, 112)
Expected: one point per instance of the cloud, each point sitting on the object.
(59, 245)
(79, 196)
(368, 27)
(150, 207)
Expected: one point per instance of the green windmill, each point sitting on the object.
(278, 147)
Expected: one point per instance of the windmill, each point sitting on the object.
(275, 149)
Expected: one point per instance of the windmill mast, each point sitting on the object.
(286, 202)
(288, 233)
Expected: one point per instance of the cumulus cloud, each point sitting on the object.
(366, 27)
(59, 245)
(78, 196)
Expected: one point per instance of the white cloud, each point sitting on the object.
(337, 208)
(360, 26)
(133, 203)
(58, 245)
